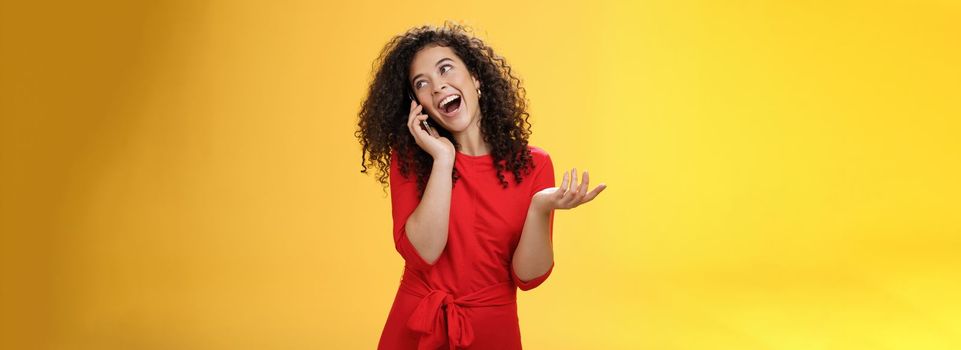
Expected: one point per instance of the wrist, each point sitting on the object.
(445, 163)
(538, 208)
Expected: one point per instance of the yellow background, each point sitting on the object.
(782, 175)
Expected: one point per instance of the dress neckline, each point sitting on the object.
(478, 157)
(469, 163)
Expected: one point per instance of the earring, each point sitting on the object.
(478, 93)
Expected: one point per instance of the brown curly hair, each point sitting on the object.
(384, 113)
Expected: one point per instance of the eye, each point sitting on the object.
(442, 70)
(418, 84)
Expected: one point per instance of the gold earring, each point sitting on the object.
(478, 93)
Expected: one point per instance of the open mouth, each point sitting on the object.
(450, 105)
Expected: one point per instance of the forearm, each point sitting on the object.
(427, 226)
(535, 252)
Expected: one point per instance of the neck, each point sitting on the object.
(471, 141)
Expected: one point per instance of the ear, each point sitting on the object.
(476, 82)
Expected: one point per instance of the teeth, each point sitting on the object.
(448, 100)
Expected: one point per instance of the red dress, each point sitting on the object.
(467, 298)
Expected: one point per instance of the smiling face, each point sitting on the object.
(442, 84)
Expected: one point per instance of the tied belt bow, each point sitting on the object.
(429, 319)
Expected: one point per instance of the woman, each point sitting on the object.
(472, 202)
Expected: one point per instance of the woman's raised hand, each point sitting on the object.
(432, 143)
(566, 196)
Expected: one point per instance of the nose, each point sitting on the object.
(440, 88)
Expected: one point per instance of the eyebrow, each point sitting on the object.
(435, 65)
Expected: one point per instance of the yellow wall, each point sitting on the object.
(782, 175)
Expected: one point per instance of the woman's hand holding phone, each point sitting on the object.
(429, 140)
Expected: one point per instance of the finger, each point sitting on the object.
(411, 118)
(414, 112)
(414, 105)
(563, 187)
(434, 132)
(419, 125)
(417, 110)
(597, 190)
(573, 180)
(567, 196)
(580, 190)
(578, 197)
(571, 194)
(412, 124)
(585, 184)
(411, 115)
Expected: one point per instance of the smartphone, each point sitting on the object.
(424, 124)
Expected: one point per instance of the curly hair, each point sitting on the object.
(384, 113)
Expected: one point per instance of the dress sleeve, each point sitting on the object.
(404, 199)
(543, 178)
